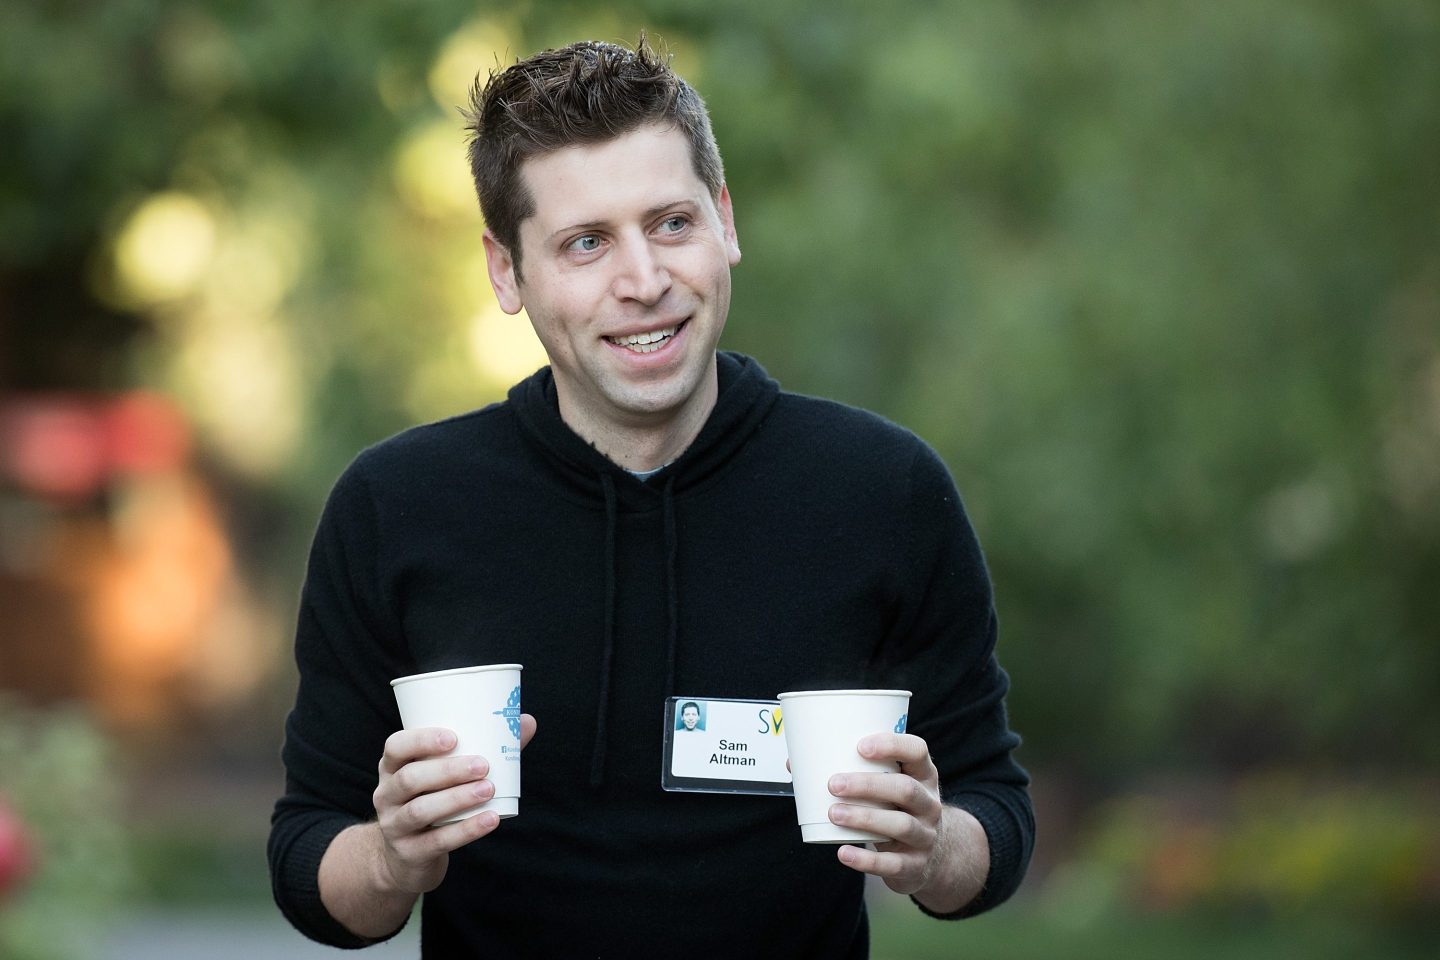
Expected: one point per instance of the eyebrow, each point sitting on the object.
(649, 214)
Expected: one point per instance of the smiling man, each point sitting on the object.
(644, 521)
(627, 282)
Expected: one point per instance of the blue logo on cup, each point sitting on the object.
(900, 724)
(511, 713)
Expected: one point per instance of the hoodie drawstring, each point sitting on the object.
(672, 613)
(672, 590)
(597, 761)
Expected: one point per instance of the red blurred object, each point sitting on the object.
(68, 447)
(17, 856)
(145, 433)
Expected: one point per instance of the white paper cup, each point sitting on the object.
(482, 706)
(823, 730)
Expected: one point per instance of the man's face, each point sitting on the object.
(690, 716)
(626, 265)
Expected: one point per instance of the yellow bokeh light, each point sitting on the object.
(476, 48)
(164, 249)
(258, 262)
(432, 175)
(504, 349)
(239, 375)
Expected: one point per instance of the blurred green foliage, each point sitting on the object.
(1024, 930)
(1160, 281)
(60, 775)
(1274, 846)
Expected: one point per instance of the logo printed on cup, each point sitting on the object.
(900, 724)
(511, 713)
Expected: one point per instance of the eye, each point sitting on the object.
(588, 243)
(673, 224)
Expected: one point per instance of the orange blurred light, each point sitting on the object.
(152, 598)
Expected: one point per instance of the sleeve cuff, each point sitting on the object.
(1010, 847)
(301, 902)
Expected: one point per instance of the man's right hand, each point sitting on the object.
(372, 873)
(419, 787)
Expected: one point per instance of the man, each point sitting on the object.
(644, 519)
(690, 717)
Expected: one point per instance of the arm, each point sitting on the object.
(962, 825)
(349, 850)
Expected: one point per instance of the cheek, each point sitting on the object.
(560, 329)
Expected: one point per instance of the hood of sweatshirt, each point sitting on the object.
(746, 394)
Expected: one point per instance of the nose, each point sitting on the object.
(641, 277)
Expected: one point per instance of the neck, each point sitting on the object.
(643, 441)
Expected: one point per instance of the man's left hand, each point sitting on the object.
(922, 858)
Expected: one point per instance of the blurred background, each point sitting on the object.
(1160, 281)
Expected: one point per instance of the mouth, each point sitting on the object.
(647, 342)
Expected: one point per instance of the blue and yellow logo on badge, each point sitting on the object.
(770, 720)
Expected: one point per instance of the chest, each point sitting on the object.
(756, 598)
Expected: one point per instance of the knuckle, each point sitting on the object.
(433, 844)
(412, 819)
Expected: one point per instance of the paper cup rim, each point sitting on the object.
(455, 672)
(843, 693)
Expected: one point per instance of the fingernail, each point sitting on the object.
(838, 814)
(484, 789)
(479, 767)
(445, 741)
(839, 784)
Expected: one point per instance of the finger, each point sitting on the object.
(888, 789)
(404, 746)
(527, 729)
(421, 777)
(423, 846)
(429, 809)
(897, 869)
(908, 750)
(899, 826)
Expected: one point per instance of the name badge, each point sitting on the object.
(725, 746)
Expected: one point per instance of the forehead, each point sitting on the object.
(601, 182)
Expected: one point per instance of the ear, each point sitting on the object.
(727, 218)
(501, 267)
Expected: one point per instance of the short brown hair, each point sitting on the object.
(588, 92)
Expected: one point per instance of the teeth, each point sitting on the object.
(645, 342)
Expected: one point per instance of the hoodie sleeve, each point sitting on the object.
(942, 647)
(348, 646)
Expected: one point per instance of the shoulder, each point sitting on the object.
(435, 444)
(433, 449)
(843, 435)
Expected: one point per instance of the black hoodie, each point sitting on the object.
(797, 544)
